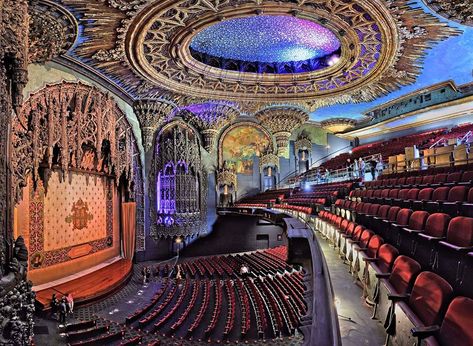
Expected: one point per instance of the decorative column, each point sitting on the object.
(269, 164)
(302, 150)
(152, 114)
(282, 121)
(226, 186)
(209, 119)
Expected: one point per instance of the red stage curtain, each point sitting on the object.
(128, 227)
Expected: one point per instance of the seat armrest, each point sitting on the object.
(398, 225)
(383, 275)
(456, 248)
(425, 331)
(370, 259)
(398, 297)
(410, 230)
(378, 218)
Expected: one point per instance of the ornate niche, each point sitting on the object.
(179, 192)
(269, 169)
(74, 132)
(227, 185)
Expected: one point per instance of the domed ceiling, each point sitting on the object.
(309, 54)
(266, 44)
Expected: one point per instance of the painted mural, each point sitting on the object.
(241, 145)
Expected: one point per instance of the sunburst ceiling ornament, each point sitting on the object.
(146, 48)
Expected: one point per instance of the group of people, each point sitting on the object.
(61, 307)
(357, 168)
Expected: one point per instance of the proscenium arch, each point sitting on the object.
(240, 124)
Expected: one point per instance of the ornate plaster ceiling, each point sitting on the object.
(143, 47)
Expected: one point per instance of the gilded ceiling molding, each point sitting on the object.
(268, 160)
(53, 30)
(282, 121)
(152, 114)
(209, 119)
(460, 11)
(336, 125)
(144, 47)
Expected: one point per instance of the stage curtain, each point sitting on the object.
(128, 227)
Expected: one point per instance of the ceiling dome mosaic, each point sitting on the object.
(266, 44)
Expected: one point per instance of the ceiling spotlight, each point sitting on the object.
(350, 152)
(327, 146)
(333, 60)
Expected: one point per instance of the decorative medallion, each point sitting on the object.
(80, 215)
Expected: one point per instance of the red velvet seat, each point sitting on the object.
(467, 178)
(439, 196)
(389, 233)
(424, 245)
(424, 307)
(423, 196)
(466, 209)
(405, 235)
(453, 250)
(456, 196)
(455, 328)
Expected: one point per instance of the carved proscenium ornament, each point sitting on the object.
(460, 11)
(53, 30)
(70, 126)
(268, 160)
(336, 125)
(152, 114)
(209, 119)
(282, 121)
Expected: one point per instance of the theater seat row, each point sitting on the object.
(456, 177)
(456, 200)
(414, 305)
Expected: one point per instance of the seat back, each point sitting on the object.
(469, 198)
(460, 231)
(418, 219)
(418, 180)
(428, 179)
(404, 272)
(386, 256)
(457, 194)
(393, 193)
(403, 194)
(344, 225)
(456, 326)
(429, 297)
(425, 194)
(401, 181)
(440, 178)
(373, 245)
(436, 224)
(410, 180)
(383, 210)
(374, 209)
(385, 193)
(403, 216)
(413, 194)
(366, 208)
(392, 213)
(377, 193)
(467, 176)
(350, 228)
(357, 232)
(365, 237)
(440, 193)
(454, 177)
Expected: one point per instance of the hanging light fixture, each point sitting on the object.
(269, 171)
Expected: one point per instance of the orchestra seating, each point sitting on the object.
(90, 287)
(208, 298)
(408, 241)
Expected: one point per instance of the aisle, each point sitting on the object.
(356, 326)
